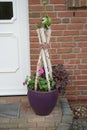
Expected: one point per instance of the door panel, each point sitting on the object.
(9, 56)
(14, 47)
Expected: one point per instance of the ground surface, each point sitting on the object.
(28, 119)
(79, 118)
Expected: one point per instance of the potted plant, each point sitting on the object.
(43, 87)
(43, 101)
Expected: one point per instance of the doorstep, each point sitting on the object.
(28, 120)
(59, 119)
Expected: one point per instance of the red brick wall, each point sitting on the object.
(68, 43)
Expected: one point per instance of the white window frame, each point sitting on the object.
(14, 12)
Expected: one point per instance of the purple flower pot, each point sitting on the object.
(42, 102)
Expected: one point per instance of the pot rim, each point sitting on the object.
(56, 89)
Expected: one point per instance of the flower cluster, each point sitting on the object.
(42, 83)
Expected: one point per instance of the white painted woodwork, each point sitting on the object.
(14, 50)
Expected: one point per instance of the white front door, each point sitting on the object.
(14, 46)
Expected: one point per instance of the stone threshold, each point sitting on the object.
(67, 115)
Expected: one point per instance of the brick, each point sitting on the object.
(49, 7)
(16, 121)
(50, 14)
(59, 7)
(84, 32)
(36, 119)
(84, 71)
(34, 21)
(83, 2)
(73, 93)
(69, 88)
(76, 50)
(66, 20)
(35, 51)
(52, 39)
(81, 14)
(66, 56)
(84, 92)
(84, 61)
(55, 62)
(34, 45)
(52, 51)
(36, 8)
(32, 33)
(65, 39)
(59, 27)
(64, 50)
(78, 20)
(69, 44)
(8, 125)
(34, 57)
(55, 46)
(57, 2)
(73, 78)
(55, 56)
(65, 14)
(81, 38)
(81, 55)
(4, 120)
(82, 77)
(27, 125)
(75, 26)
(9, 99)
(80, 82)
(82, 87)
(56, 20)
(32, 27)
(82, 44)
(34, 39)
(46, 124)
(56, 33)
(34, 2)
(34, 15)
(34, 62)
(85, 26)
(71, 32)
(71, 97)
(82, 66)
(82, 97)
(33, 68)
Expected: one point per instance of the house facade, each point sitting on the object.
(68, 41)
(68, 44)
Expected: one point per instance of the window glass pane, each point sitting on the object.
(6, 10)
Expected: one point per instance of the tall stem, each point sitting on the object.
(45, 3)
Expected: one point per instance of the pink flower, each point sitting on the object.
(24, 83)
(41, 70)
